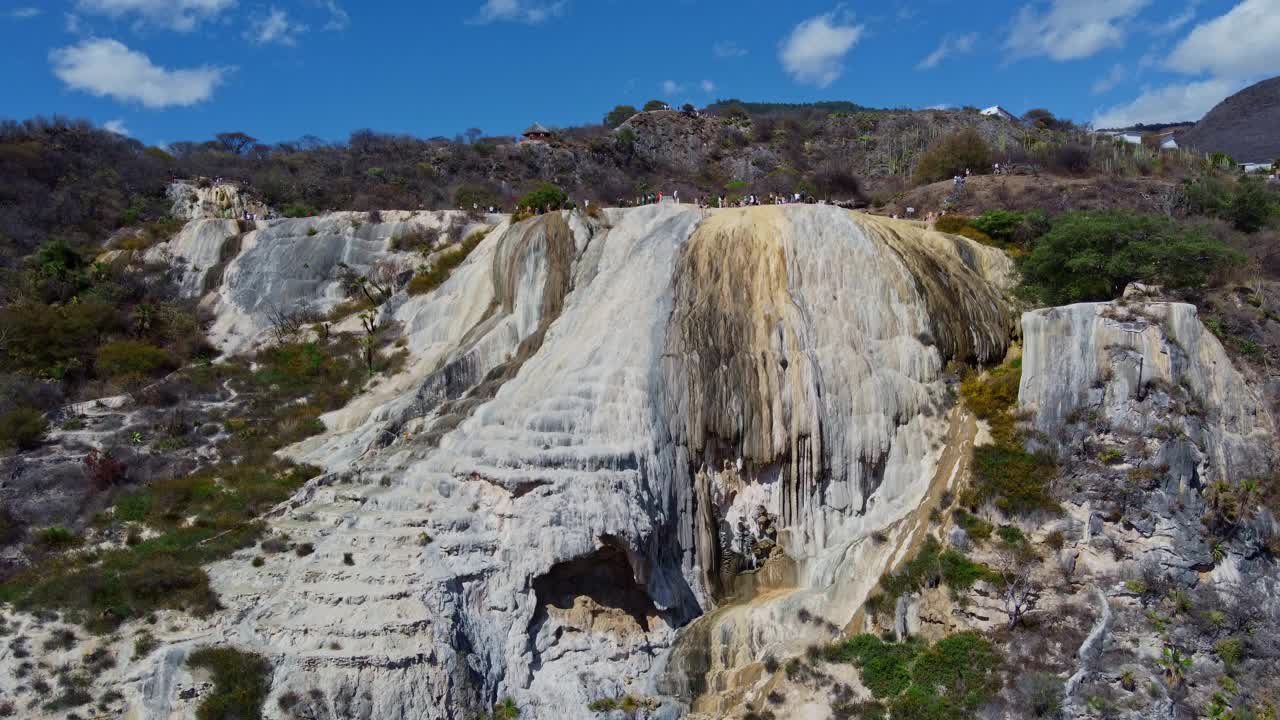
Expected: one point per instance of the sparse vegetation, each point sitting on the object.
(1004, 473)
(241, 681)
(443, 265)
(952, 678)
(22, 429)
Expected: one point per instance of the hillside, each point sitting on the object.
(1245, 126)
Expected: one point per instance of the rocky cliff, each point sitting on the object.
(647, 452)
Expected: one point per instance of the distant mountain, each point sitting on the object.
(1245, 126)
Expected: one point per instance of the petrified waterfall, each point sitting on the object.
(548, 503)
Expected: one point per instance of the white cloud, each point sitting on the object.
(671, 87)
(107, 68)
(525, 11)
(116, 126)
(180, 15)
(339, 20)
(1175, 23)
(1238, 44)
(72, 23)
(941, 106)
(1172, 103)
(707, 86)
(950, 45)
(1114, 77)
(814, 52)
(274, 27)
(728, 49)
(24, 13)
(1072, 29)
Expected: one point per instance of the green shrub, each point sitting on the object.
(979, 530)
(618, 115)
(545, 196)
(22, 429)
(1252, 206)
(992, 396)
(57, 538)
(951, 224)
(443, 266)
(952, 678)
(130, 357)
(1094, 255)
(299, 210)
(952, 155)
(241, 682)
(506, 709)
(1012, 479)
(1014, 228)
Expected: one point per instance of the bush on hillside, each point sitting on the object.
(1015, 228)
(241, 682)
(618, 115)
(952, 224)
(952, 155)
(547, 196)
(130, 357)
(467, 196)
(1252, 206)
(299, 210)
(954, 677)
(22, 429)
(1093, 255)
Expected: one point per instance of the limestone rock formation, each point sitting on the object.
(548, 495)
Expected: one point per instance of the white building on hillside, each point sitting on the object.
(997, 111)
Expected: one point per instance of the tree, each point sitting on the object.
(235, 142)
(952, 155)
(618, 115)
(1093, 255)
(1252, 206)
(546, 197)
(654, 105)
(1018, 592)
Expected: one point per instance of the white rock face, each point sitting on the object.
(1068, 351)
(291, 266)
(197, 250)
(222, 201)
(546, 497)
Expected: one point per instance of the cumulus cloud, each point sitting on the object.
(107, 68)
(707, 86)
(116, 126)
(671, 87)
(274, 27)
(180, 15)
(525, 11)
(1171, 103)
(951, 45)
(1228, 53)
(813, 54)
(1072, 29)
(1116, 75)
(24, 13)
(1240, 43)
(727, 49)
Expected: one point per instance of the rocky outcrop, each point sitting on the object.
(607, 428)
(1120, 359)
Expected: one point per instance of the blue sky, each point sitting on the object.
(167, 70)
